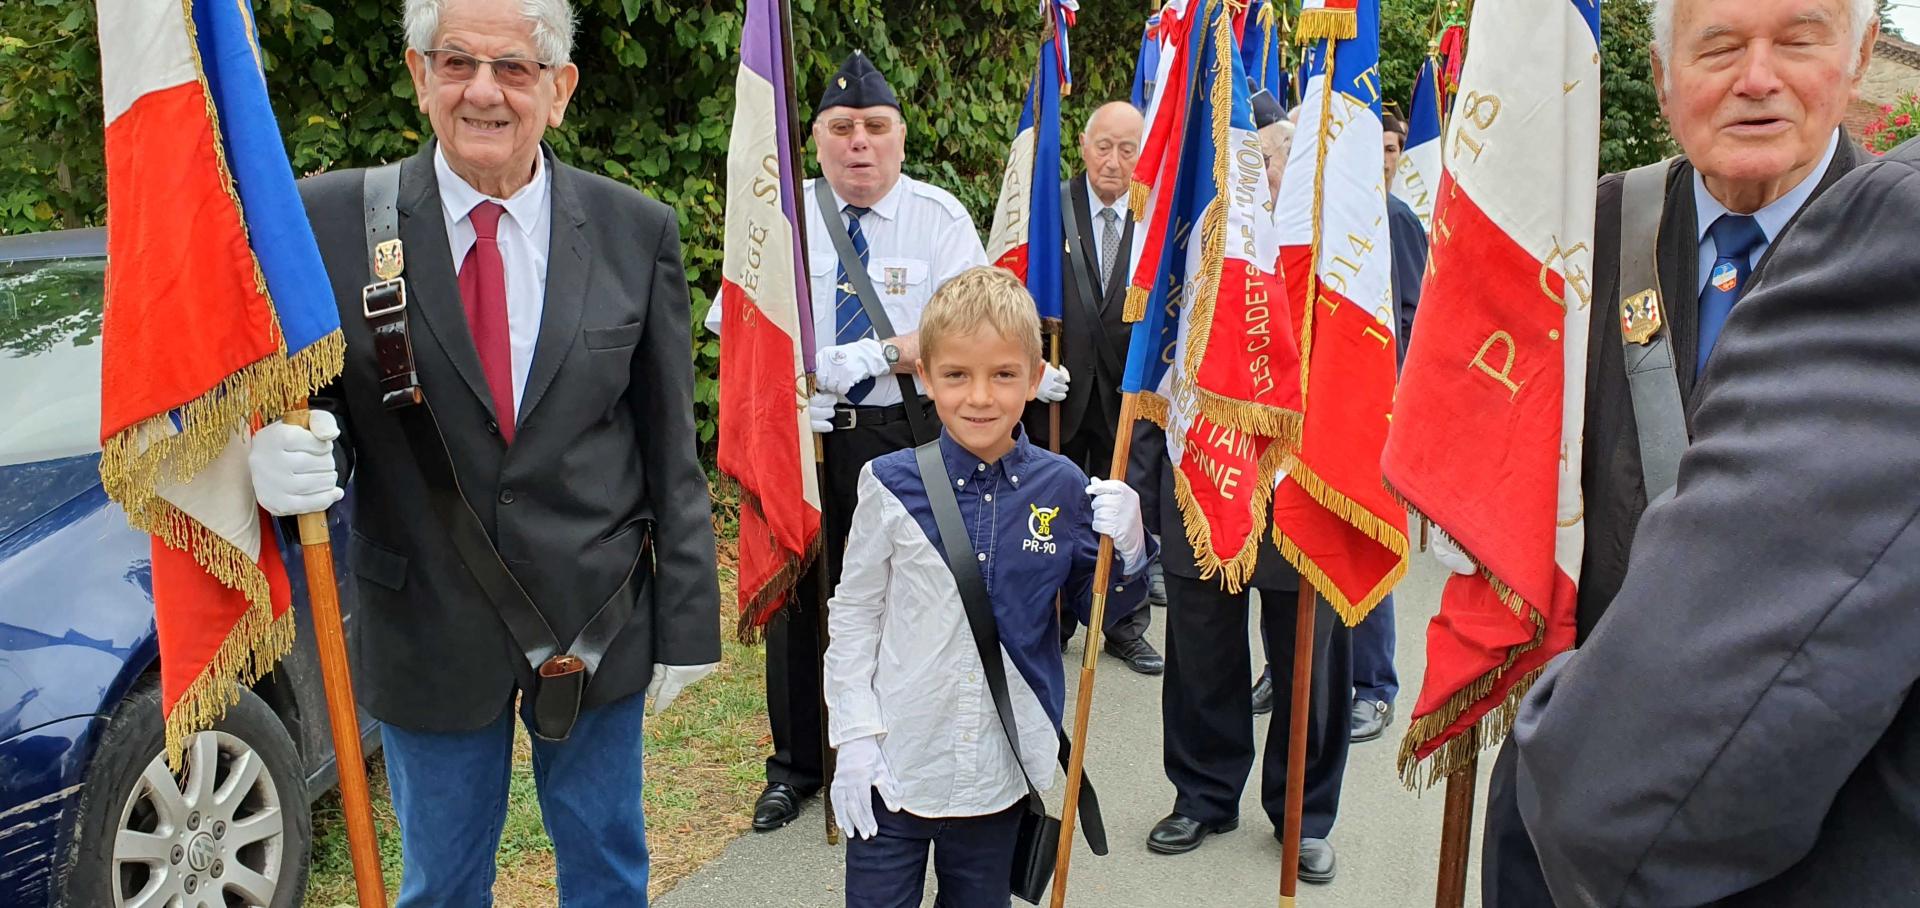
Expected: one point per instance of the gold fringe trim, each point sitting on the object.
(253, 646)
(1508, 596)
(1316, 24)
(1234, 571)
(1278, 423)
(1137, 194)
(1319, 213)
(1213, 223)
(1136, 304)
(1152, 408)
(760, 609)
(1394, 538)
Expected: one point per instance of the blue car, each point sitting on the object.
(90, 814)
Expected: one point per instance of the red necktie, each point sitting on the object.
(483, 290)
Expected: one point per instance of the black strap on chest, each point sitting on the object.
(1658, 414)
(870, 302)
(962, 561)
(1084, 286)
(561, 673)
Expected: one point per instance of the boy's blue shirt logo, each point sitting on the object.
(1040, 529)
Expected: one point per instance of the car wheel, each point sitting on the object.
(230, 830)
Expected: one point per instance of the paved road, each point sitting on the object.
(1387, 838)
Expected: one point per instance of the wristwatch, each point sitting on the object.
(891, 353)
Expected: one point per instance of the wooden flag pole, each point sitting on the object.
(823, 589)
(1083, 702)
(323, 598)
(1297, 741)
(1052, 328)
(1456, 834)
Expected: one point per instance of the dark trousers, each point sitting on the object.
(1510, 875)
(1091, 449)
(793, 636)
(1373, 675)
(972, 860)
(1206, 705)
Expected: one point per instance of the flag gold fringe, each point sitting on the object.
(253, 646)
(1137, 196)
(1489, 731)
(1318, 24)
(1394, 538)
(759, 609)
(1236, 570)
(1136, 304)
(1278, 423)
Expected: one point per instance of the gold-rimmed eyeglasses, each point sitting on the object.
(875, 126)
(460, 66)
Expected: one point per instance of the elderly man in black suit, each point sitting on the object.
(543, 534)
(1777, 590)
(1094, 341)
(1754, 93)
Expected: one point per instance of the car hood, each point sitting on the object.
(30, 490)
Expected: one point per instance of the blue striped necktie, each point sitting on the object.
(1735, 236)
(849, 317)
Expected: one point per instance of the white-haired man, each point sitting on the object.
(543, 534)
(1753, 91)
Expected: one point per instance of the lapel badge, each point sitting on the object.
(1640, 317)
(389, 260)
(896, 280)
(1725, 277)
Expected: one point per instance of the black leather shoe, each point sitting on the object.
(779, 805)
(1316, 861)
(1370, 719)
(1156, 584)
(1179, 834)
(1263, 695)
(1138, 654)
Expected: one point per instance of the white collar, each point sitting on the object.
(889, 205)
(1095, 206)
(1774, 217)
(527, 206)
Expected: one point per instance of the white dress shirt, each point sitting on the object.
(523, 251)
(1773, 218)
(1095, 228)
(918, 236)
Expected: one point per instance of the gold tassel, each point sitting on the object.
(1137, 194)
(1136, 305)
(1316, 24)
(252, 648)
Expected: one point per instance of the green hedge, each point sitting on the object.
(656, 97)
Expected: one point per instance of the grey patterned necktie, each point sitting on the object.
(1109, 243)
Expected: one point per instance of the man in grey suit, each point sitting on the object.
(1777, 590)
(554, 484)
(1754, 94)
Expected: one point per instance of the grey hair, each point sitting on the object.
(552, 22)
(1860, 14)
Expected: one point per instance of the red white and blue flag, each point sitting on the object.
(1487, 431)
(1027, 236)
(765, 443)
(1335, 520)
(1417, 180)
(1213, 354)
(1263, 41)
(218, 315)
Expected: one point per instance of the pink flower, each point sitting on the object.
(1886, 108)
(1902, 120)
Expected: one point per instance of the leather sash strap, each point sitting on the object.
(1658, 414)
(1085, 279)
(986, 635)
(870, 302)
(561, 673)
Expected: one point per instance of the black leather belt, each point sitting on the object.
(845, 417)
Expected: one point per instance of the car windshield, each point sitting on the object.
(50, 358)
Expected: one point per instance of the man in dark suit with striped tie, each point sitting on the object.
(1093, 346)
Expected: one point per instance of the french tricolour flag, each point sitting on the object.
(1027, 237)
(218, 315)
(1499, 368)
(1417, 180)
(1337, 523)
(765, 443)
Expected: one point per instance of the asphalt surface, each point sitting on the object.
(1386, 838)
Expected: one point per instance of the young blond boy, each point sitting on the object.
(922, 755)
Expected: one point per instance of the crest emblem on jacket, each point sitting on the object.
(1040, 529)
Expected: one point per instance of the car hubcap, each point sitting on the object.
(210, 837)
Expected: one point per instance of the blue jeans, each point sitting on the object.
(972, 860)
(1373, 675)
(450, 795)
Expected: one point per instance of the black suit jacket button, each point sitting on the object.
(493, 428)
(506, 496)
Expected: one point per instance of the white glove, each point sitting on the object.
(1449, 554)
(293, 469)
(1116, 513)
(838, 369)
(820, 411)
(1053, 384)
(669, 680)
(859, 769)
